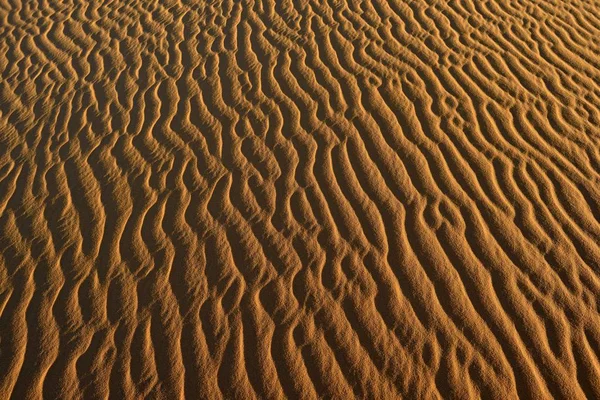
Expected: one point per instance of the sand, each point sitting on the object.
(299, 199)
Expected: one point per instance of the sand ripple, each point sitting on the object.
(299, 198)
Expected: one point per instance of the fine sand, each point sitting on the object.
(267, 199)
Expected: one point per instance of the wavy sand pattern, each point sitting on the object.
(299, 199)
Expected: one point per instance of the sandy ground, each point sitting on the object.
(299, 199)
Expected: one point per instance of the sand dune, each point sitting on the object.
(299, 199)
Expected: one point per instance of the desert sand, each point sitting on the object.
(301, 199)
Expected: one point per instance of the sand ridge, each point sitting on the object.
(299, 199)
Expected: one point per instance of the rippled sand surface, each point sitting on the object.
(299, 199)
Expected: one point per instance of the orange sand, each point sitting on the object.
(299, 199)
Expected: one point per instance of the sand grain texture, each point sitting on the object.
(299, 199)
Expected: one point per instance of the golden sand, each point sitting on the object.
(299, 199)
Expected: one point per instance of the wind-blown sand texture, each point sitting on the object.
(299, 199)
